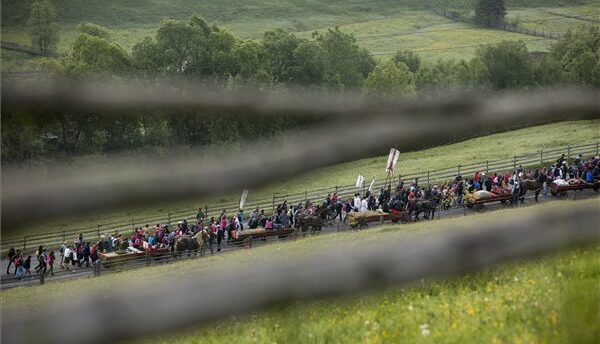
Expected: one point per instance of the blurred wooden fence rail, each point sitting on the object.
(112, 314)
(93, 232)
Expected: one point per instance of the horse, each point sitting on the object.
(530, 185)
(189, 244)
(311, 219)
(418, 206)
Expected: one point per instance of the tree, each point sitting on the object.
(347, 64)
(578, 54)
(390, 81)
(94, 55)
(508, 64)
(42, 26)
(489, 12)
(410, 59)
(309, 64)
(175, 39)
(94, 30)
(280, 47)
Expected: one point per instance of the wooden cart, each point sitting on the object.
(115, 258)
(473, 201)
(248, 235)
(561, 190)
(363, 218)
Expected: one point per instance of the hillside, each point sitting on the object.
(536, 300)
(382, 26)
(497, 146)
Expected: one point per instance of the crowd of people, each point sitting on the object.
(227, 227)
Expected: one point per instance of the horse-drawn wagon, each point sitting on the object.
(478, 198)
(363, 218)
(115, 258)
(560, 187)
(246, 236)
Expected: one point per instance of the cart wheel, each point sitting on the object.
(563, 195)
(469, 205)
(478, 207)
(554, 193)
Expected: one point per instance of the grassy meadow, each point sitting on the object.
(555, 19)
(553, 299)
(382, 26)
(497, 146)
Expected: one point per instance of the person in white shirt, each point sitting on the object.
(357, 202)
(67, 258)
(364, 205)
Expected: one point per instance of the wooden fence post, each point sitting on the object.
(487, 167)
(541, 156)
(568, 152)
(98, 231)
(597, 148)
(428, 178)
(305, 197)
(24, 242)
(514, 162)
(206, 210)
(458, 169)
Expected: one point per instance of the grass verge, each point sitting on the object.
(550, 299)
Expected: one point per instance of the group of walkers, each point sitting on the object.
(22, 265)
(71, 256)
(228, 227)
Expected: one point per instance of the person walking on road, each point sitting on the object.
(51, 259)
(11, 258)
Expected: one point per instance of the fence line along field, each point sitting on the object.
(532, 159)
(516, 142)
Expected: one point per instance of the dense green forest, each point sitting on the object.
(192, 49)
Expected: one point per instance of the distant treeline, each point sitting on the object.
(332, 60)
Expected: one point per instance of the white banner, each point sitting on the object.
(360, 181)
(371, 186)
(392, 160)
(243, 199)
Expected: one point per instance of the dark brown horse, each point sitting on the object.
(314, 220)
(187, 243)
(530, 185)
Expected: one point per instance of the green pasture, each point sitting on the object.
(553, 18)
(491, 147)
(553, 299)
(431, 36)
(382, 26)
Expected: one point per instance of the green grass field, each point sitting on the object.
(546, 300)
(498, 146)
(553, 18)
(395, 25)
